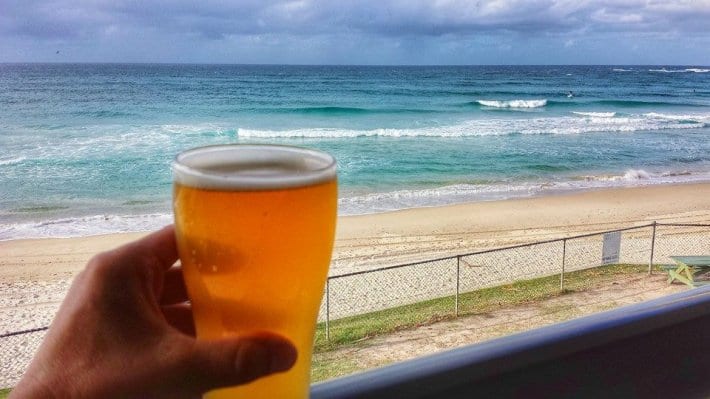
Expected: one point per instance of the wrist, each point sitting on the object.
(30, 390)
(32, 385)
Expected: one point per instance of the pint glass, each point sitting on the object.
(255, 226)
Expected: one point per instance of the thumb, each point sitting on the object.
(215, 364)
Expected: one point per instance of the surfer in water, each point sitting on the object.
(570, 94)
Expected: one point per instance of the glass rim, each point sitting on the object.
(319, 167)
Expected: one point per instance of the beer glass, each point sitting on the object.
(254, 227)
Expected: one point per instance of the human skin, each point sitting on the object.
(125, 330)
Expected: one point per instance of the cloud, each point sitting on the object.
(51, 19)
(352, 31)
(219, 19)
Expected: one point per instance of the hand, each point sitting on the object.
(125, 330)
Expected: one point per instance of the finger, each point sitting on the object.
(174, 290)
(160, 244)
(156, 251)
(180, 317)
(222, 363)
(135, 271)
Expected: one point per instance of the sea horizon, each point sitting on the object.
(87, 146)
(333, 65)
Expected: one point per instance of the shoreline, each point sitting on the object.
(572, 194)
(365, 204)
(388, 238)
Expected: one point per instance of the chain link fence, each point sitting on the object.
(439, 288)
(18, 348)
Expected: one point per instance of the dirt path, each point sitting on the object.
(408, 344)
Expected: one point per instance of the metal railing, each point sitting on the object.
(446, 278)
(378, 289)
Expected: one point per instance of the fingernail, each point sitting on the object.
(282, 356)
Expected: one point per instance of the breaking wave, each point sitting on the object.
(596, 114)
(695, 70)
(11, 160)
(591, 123)
(513, 103)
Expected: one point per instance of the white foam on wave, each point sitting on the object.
(198, 129)
(633, 177)
(637, 177)
(513, 103)
(630, 175)
(11, 160)
(622, 70)
(596, 114)
(591, 122)
(690, 118)
(415, 198)
(686, 70)
(85, 226)
(90, 141)
(636, 174)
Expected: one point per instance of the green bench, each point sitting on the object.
(685, 267)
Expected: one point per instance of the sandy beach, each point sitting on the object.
(369, 241)
(35, 273)
(424, 233)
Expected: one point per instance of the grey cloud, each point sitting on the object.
(50, 19)
(423, 17)
(216, 19)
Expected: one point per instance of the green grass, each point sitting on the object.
(356, 328)
(565, 310)
(352, 330)
(4, 392)
(324, 367)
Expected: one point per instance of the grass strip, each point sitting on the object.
(349, 331)
(355, 328)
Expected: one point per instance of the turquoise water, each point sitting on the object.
(86, 148)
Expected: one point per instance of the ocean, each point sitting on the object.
(86, 148)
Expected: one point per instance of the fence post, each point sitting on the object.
(564, 253)
(327, 309)
(653, 244)
(458, 274)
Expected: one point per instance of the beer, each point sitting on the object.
(255, 228)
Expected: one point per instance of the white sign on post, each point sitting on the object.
(611, 248)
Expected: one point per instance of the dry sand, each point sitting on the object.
(424, 233)
(35, 274)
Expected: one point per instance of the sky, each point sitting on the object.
(379, 32)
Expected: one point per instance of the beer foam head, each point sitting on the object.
(252, 167)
